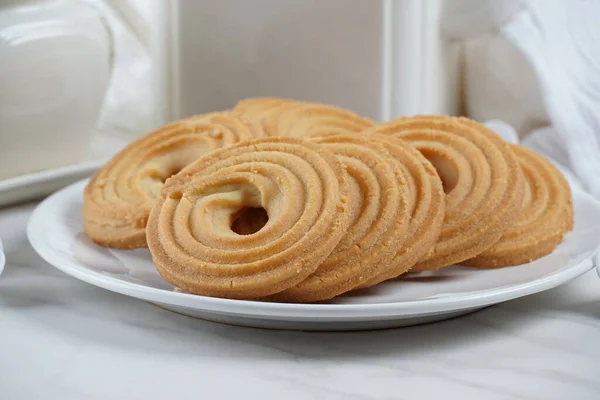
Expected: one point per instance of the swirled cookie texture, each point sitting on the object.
(293, 201)
(379, 220)
(297, 187)
(118, 198)
(426, 207)
(481, 178)
(258, 107)
(301, 119)
(546, 216)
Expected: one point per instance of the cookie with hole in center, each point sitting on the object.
(379, 205)
(296, 188)
(426, 207)
(258, 107)
(481, 177)
(118, 198)
(546, 216)
(304, 119)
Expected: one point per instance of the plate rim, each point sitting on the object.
(49, 174)
(296, 311)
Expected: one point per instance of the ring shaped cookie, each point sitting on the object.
(426, 206)
(299, 185)
(546, 216)
(481, 177)
(300, 119)
(379, 216)
(257, 107)
(118, 198)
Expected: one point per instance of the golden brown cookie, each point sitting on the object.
(300, 186)
(426, 207)
(118, 198)
(546, 216)
(300, 119)
(257, 107)
(481, 178)
(379, 216)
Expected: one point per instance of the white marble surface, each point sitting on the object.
(64, 339)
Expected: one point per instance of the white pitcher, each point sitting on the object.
(56, 61)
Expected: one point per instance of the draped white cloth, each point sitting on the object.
(560, 41)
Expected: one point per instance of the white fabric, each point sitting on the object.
(463, 19)
(561, 41)
(535, 63)
(498, 82)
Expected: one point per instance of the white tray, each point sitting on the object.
(55, 232)
(34, 186)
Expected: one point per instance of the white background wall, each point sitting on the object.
(380, 58)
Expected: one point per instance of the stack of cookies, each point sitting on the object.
(293, 201)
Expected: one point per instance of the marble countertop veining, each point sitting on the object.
(64, 339)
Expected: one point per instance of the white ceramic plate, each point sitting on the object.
(34, 186)
(55, 232)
